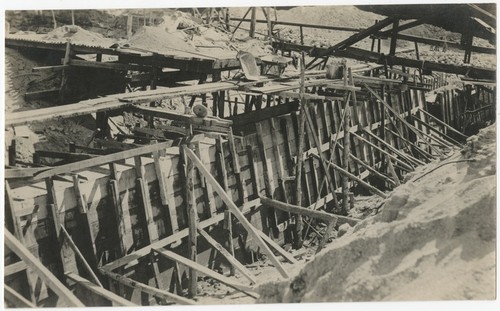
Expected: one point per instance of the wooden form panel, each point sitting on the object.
(247, 167)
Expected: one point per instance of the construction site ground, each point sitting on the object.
(434, 238)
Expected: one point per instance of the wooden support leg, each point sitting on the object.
(192, 219)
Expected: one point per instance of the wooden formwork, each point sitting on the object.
(128, 214)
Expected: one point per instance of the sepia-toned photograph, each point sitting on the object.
(249, 155)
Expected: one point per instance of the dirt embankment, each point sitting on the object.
(434, 239)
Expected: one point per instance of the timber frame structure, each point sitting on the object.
(136, 223)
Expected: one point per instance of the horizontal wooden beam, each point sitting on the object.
(41, 94)
(338, 28)
(101, 160)
(14, 268)
(50, 68)
(477, 49)
(50, 280)
(263, 114)
(294, 209)
(108, 65)
(102, 292)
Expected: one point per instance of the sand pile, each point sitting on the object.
(77, 35)
(157, 39)
(434, 239)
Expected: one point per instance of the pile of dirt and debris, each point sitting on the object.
(434, 239)
(77, 35)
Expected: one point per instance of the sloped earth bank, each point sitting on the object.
(434, 239)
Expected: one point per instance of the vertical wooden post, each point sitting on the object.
(216, 76)
(228, 222)
(269, 25)
(72, 17)
(130, 22)
(54, 19)
(394, 37)
(253, 22)
(64, 78)
(192, 219)
(345, 156)
(417, 54)
(12, 153)
(299, 166)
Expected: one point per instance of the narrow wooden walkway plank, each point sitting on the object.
(50, 280)
(112, 297)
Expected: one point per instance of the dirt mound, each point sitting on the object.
(77, 35)
(434, 239)
(158, 39)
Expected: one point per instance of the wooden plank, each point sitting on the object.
(14, 268)
(297, 209)
(100, 291)
(16, 299)
(263, 114)
(221, 161)
(359, 180)
(80, 256)
(207, 188)
(165, 167)
(243, 196)
(162, 294)
(443, 124)
(194, 265)
(119, 215)
(278, 248)
(237, 213)
(50, 280)
(370, 168)
(142, 185)
(192, 220)
(320, 153)
(71, 167)
(230, 258)
(108, 65)
(404, 164)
